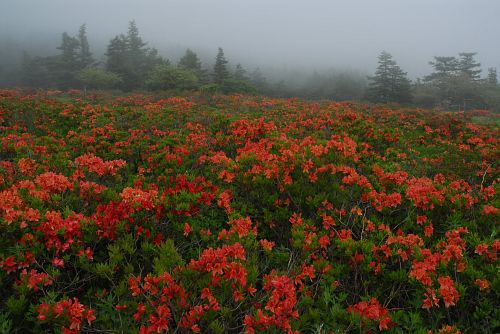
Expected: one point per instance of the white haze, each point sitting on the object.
(279, 34)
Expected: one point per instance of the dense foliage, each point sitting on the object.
(227, 214)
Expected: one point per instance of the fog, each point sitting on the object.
(283, 34)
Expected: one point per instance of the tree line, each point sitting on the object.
(455, 84)
(130, 64)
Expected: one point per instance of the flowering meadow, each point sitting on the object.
(237, 214)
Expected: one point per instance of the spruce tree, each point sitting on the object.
(389, 84)
(64, 67)
(69, 52)
(492, 76)
(444, 68)
(190, 61)
(443, 80)
(220, 68)
(135, 42)
(136, 58)
(401, 88)
(455, 81)
(468, 67)
(129, 57)
(85, 54)
(117, 60)
(380, 85)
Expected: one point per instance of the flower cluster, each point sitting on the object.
(71, 311)
(372, 310)
(244, 214)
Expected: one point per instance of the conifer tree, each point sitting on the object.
(135, 42)
(85, 54)
(63, 68)
(443, 80)
(468, 67)
(117, 55)
(190, 61)
(129, 57)
(389, 84)
(220, 68)
(401, 88)
(136, 57)
(444, 68)
(69, 52)
(492, 76)
(454, 82)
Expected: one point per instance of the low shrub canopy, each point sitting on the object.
(245, 214)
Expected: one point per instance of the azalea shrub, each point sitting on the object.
(238, 214)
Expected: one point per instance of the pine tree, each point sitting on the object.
(220, 68)
(401, 88)
(129, 57)
(389, 84)
(492, 76)
(443, 80)
(69, 52)
(136, 46)
(64, 67)
(444, 68)
(468, 67)
(117, 60)
(455, 81)
(190, 61)
(134, 39)
(380, 87)
(136, 54)
(85, 54)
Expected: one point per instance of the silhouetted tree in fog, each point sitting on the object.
(117, 60)
(129, 57)
(63, 67)
(455, 83)
(220, 68)
(492, 76)
(389, 84)
(85, 55)
(468, 67)
(191, 62)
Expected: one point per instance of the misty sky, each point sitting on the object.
(282, 33)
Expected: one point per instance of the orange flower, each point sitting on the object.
(187, 229)
(266, 245)
(53, 182)
(489, 210)
(447, 291)
(482, 284)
